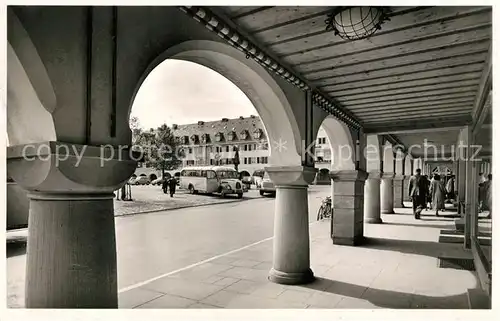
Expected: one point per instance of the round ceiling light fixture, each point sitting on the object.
(355, 23)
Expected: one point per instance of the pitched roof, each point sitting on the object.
(224, 126)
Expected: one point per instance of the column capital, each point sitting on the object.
(374, 175)
(291, 175)
(387, 176)
(399, 177)
(349, 175)
(68, 170)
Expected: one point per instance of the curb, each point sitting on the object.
(185, 206)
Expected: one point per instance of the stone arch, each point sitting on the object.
(254, 81)
(408, 166)
(373, 153)
(342, 144)
(388, 158)
(28, 119)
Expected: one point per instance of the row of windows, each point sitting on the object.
(255, 160)
(322, 140)
(228, 148)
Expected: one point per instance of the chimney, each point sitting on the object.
(225, 119)
(241, 117)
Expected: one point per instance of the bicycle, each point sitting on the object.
(325, 210)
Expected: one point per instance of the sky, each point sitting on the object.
(182, 92)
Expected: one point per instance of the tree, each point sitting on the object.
(236, 158)
(135, 127)
(162, 150)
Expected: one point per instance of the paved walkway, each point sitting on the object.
(398, 268)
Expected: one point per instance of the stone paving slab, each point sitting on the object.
(397, 270)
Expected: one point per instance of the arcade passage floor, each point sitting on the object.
(218, 256)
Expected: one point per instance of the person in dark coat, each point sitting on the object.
(418, 192)
(172, 184)
(164, 185)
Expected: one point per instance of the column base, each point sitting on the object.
(352, 241)
(373, 220)
(387, 212)
(291, 278)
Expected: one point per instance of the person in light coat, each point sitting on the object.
(438, 192)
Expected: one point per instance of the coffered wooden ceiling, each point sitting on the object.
(424, 68)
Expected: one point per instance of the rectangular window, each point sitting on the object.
(246, 147)
(244, 160)
(190, 150)
(258, 160)
(227, 149)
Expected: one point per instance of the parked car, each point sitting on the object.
(158, 181)
(257, 177)
(267, 186)
(142, 180)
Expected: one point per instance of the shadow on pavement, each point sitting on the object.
(432, 249)
(440, 226)
(389, 299)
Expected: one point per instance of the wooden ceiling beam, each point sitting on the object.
(421, 131)
(288, 43)
(416, 125)
(409, 100)
(386, 90)
(411, 94)
(370, 73)
(435, 103)
(402, 78)
(416, 111)
(413, 45)
(416, 116)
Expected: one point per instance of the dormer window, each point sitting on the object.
(219, 137)
(195, 139)
(205, 138)
(244, 134)
(257, 133)
(231, 135)
(185, 140)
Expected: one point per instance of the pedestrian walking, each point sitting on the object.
(438, 193)
(164, 185)
(418, 193)
(450, 188)
(488, 197)
(172, 184)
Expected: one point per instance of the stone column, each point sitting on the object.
(348, 203)
(398, 191)
(71, 251)
(387, 194)
(406, 187)
(372, 198)
(291, 258)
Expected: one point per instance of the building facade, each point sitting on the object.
(215, 143)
